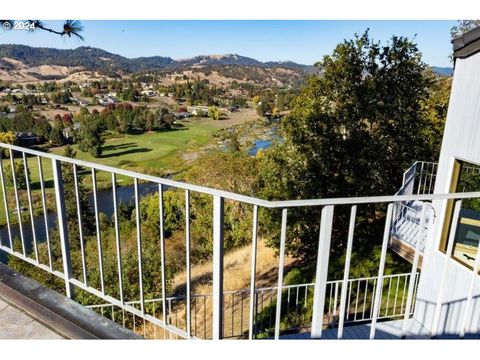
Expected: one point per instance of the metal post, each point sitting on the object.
(378, 291)
(162, 254)
(448, 254)
(413, 272)
(80, 226)
(253, 274)
(62, 225)
(139, 245)
(346, 271)
(281, 264)
(117, 237)
(17, 202)
(188, 269)
(30, 205)
(322, 270)
(45, 212)
(217, 316)
(97, 223)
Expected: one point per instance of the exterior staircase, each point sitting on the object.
(419, 179)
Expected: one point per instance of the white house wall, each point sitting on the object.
(461, 140)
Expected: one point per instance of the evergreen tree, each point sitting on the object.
(90, 135)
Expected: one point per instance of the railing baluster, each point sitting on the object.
(241, 313)
(413, 273)
(431, 178)
(346, 271)
(204, 317)
(188, 267)
(420, 180)
(233, 311)
(448, 254)
(97, 223)
(117, 237)
(45, 213)
(30, 205)
(396, 294)
(162, 253)
(62, 226)
(217, 316)
(80, 226)
(365, 299)
(288, 301)
(5, 202)
(373, 296)
(281, 265)
(330, 302)
(403, 294)
(195, 316)
(388, 294)
(139, 245)
(17, 202)
(378, 292)
(349, 299)
(356, 300)
(322, 270)
(335, 300)
(251, 324)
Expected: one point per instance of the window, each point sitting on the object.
(465, 178)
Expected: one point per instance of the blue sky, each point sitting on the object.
(301, 41)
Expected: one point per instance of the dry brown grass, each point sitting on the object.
(237, 270)
(236, 309)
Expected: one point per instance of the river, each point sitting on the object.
(125, 194)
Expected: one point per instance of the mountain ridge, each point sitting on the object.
(95, 59)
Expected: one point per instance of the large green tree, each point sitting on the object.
(353, 130)
(90, 135)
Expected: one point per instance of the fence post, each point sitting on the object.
(62, 225)
(378, 291)
(322, 270)
(217, 316)
(281, 265)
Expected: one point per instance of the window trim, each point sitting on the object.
(448, 213)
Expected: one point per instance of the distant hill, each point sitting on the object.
(94, 59)
(91, 59)
(442, 71)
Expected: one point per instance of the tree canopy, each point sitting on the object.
(353, 130)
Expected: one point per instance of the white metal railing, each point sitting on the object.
(320, 299)
(295, 297)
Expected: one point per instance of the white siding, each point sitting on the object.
(461, 140)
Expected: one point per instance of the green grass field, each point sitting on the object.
(156, 153)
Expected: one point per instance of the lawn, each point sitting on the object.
(155, 153)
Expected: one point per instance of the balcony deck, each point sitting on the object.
(15, 324)
(387, 330)
(382, 296)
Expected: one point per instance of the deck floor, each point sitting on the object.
(15, 324)
(388, 330)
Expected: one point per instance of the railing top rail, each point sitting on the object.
(244, 198)
(140, 176)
